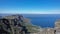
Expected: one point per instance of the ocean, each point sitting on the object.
(43, 20)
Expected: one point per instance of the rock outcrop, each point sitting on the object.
(16, 24)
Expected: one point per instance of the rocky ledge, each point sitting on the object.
(17, 24)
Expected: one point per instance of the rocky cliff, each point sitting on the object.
(16, 24)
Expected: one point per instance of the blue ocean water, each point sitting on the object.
(43, 20)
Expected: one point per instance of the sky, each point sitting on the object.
(30, 6)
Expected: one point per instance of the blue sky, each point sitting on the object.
(30, 6)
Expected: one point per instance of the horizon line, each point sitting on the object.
(29, 12)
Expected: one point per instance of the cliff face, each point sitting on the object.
(16, 24)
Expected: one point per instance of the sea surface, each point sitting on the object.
(43, 20)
